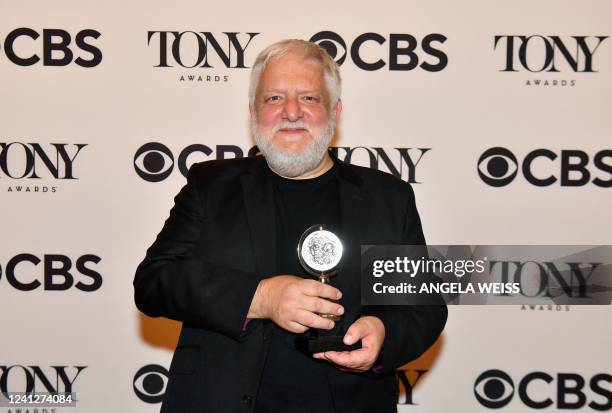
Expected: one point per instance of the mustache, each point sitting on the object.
(291, 125)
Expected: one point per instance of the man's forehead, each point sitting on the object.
(292, 65)
(293, 57)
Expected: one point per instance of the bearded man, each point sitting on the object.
(225, 262)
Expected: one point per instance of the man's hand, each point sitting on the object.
(371, 332)
(293, 303)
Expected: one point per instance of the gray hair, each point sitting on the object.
(305, 49)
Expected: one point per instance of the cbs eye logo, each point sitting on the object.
(150, 383)
(153, 162)
(330, 42)
(497, 166)
(494, 389)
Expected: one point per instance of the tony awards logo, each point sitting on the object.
(320, 252)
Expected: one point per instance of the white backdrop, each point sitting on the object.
(458, 111)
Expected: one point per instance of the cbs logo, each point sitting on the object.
(495, 389)
(54, 272)
(56, 48)
(150, 383)
(498, 167)
(401, 50)
(154, 161)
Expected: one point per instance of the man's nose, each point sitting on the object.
(292, 110)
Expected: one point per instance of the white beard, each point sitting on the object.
(293, 164)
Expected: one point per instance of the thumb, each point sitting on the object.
(356, 332)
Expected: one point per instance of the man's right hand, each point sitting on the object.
(293, 303)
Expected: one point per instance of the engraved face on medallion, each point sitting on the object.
(320, 250)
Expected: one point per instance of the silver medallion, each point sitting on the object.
(319, 251)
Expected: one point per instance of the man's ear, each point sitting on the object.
(338, 110)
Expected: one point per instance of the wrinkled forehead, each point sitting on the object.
(293, 69)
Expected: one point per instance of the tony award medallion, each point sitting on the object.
(319, 252)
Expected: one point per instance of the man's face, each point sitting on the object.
(291, 119)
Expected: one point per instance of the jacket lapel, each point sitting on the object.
(354, 203)
(259, 203)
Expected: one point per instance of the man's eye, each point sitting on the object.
(311, 99)
(273, 99)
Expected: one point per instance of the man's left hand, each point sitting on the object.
(371, 332)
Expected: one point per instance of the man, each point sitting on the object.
(225, 263)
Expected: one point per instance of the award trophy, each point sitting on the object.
(319, 252)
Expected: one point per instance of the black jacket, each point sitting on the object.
(216, 246)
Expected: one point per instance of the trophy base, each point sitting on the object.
(312, 345)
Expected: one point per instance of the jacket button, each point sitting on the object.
(247, 399)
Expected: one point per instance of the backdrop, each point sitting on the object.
(498, 113)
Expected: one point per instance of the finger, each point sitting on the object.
(356, 332)
(355, 360)
(345, 359)
(312, 320)
(348, 358)
(294, 327)
(343, 368)
(321, 306)
(318, 289)
(332, 357)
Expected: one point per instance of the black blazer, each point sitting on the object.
(216, 246)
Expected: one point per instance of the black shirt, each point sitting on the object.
(292, 381)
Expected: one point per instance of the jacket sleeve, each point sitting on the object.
(174, 282)
(409, 329)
